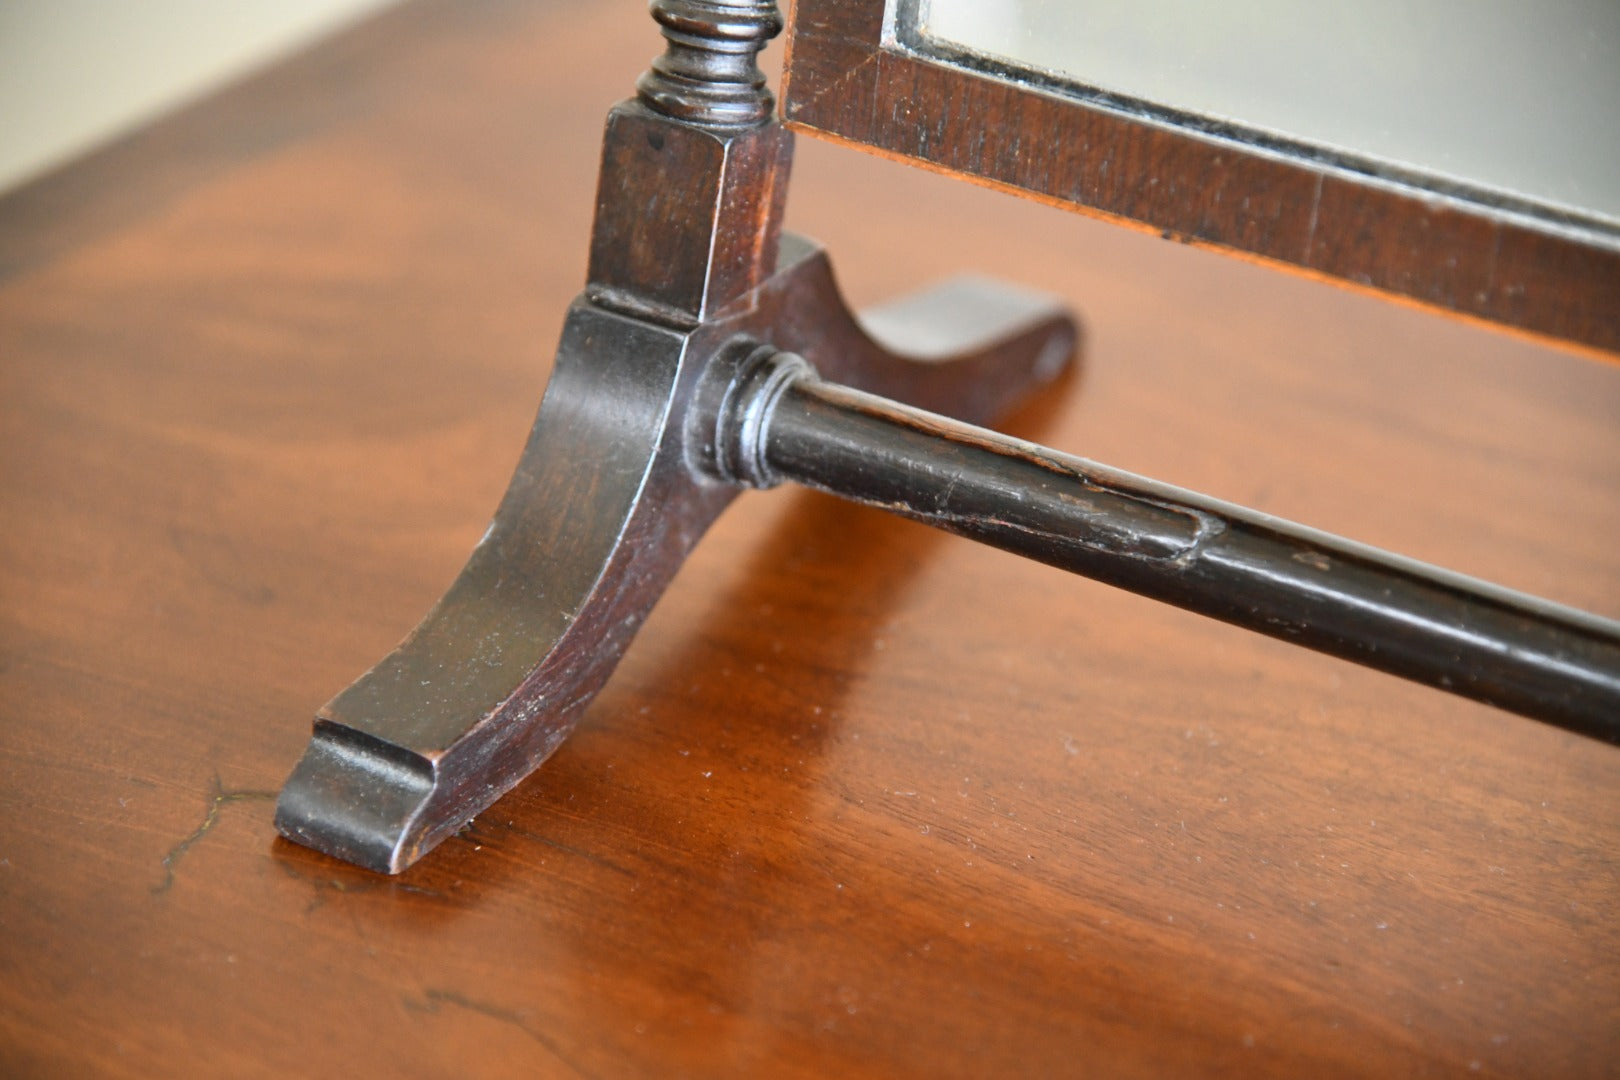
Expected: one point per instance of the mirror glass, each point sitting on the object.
(1517, 97)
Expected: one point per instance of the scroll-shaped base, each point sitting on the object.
(609, 496)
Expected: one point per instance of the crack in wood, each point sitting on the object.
(221, 798)
(433, 998)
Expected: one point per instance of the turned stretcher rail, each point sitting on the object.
(1460, 634)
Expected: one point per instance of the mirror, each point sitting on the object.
(1515, 98)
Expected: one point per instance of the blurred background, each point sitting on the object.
(77, 73)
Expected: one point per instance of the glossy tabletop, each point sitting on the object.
(862, 799)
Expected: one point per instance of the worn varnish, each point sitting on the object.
(861, 799)
(1540, 271)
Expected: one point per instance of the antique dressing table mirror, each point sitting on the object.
(710, 352)
(861, 798)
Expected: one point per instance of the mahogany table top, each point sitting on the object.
(862, 799)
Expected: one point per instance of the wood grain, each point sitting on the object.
(862, 799)
(1474, 253)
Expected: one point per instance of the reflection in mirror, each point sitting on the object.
(1513, 97)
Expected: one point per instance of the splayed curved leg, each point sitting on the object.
(616, 485)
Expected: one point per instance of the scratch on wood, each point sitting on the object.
(796, 107)
(1490, 268)
(220, 798)
(432, 999)
(322, 886)
(1310, 229)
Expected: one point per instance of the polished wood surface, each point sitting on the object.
(862, 799)
(1460, 248)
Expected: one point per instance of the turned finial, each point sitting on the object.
(708, 73)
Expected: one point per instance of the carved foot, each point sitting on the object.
(619, 480)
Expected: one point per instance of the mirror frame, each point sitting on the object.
(857, 72)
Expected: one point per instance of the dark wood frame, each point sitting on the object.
(1465, 251)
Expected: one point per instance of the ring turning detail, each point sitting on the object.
(711, 352)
